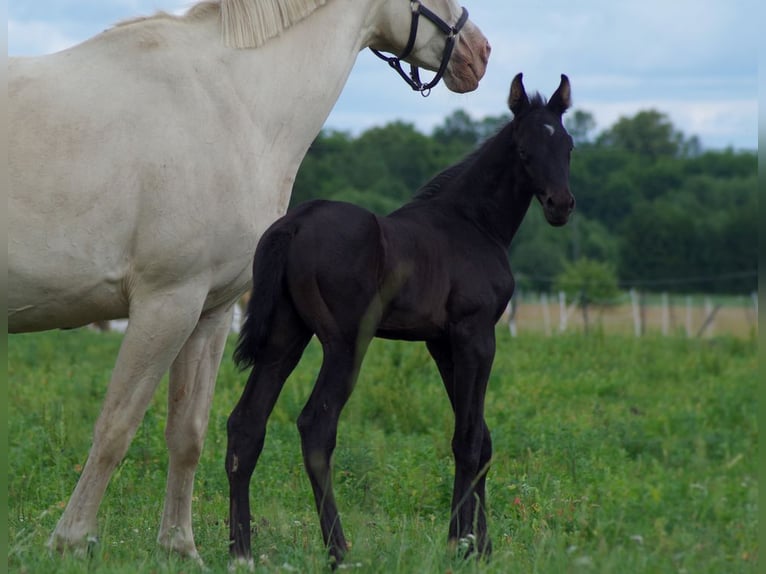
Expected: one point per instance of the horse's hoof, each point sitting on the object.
(176, 542)
(83, 547)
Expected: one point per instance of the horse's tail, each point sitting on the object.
(269, 266)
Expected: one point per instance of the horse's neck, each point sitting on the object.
(292, 82)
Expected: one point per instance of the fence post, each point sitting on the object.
(688, 316)
(562, 311)
(512, 317)
(636, 312)
(709, 314)
(665, 315)
(546, 314)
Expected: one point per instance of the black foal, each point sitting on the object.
(435, 270)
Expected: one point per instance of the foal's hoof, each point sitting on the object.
(336, 557)
(241, 564)
(468, 547)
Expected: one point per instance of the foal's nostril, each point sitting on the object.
(549, 203)
(571, 203)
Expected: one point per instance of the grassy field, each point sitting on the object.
(612, 454)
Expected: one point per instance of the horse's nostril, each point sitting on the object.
(485, 54)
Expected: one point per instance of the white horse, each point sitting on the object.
(144, 165)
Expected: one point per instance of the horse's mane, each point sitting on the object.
(443, 178)
(246, 23)
(249, 23)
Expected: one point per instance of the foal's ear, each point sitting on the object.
(517, 99)
(561, 99)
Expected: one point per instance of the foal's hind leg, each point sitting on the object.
(318, 426)
(470, 504)
(288, 338)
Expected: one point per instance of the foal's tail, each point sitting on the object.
(269, 267)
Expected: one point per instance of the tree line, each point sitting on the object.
(654, 208)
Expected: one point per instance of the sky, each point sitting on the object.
(696, 61)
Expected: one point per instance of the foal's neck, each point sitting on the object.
(494, 190)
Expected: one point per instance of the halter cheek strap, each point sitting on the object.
(413, 79)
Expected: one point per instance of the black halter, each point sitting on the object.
(413, 79)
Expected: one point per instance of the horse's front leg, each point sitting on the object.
(465, 362)
(192, 381)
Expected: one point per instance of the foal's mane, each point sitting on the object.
(246, 23)
(446, 177)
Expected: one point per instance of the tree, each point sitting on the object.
(579, 125)
(458, 128)
(664, 215)
(649, 134)
(588, 282)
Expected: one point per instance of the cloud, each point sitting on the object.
(723, 122)
(697, 62)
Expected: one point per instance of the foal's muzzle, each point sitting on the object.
(557, 206)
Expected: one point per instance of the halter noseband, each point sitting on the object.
(413, 79)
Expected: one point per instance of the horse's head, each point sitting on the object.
(436, 35)
(544, 146)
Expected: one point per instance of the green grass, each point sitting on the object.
(612, 454)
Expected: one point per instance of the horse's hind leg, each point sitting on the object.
(318, 426)
(288, 337)
(192, 382)
(159, 325)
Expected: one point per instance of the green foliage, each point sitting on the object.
(611, 454)
(649, 134)
(649, 202)
(588, 281)
(579, 124)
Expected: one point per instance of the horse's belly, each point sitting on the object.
(65, 300)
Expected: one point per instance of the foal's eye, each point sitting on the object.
(523, 154)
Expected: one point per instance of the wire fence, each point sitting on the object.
(635, 312)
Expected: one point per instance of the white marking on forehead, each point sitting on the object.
(550, 128)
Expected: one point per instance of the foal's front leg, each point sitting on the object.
(464, 361)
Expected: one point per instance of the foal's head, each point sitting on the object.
(544, 147)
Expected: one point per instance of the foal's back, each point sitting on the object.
(422, 266)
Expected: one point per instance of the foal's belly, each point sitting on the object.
(411, 325)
